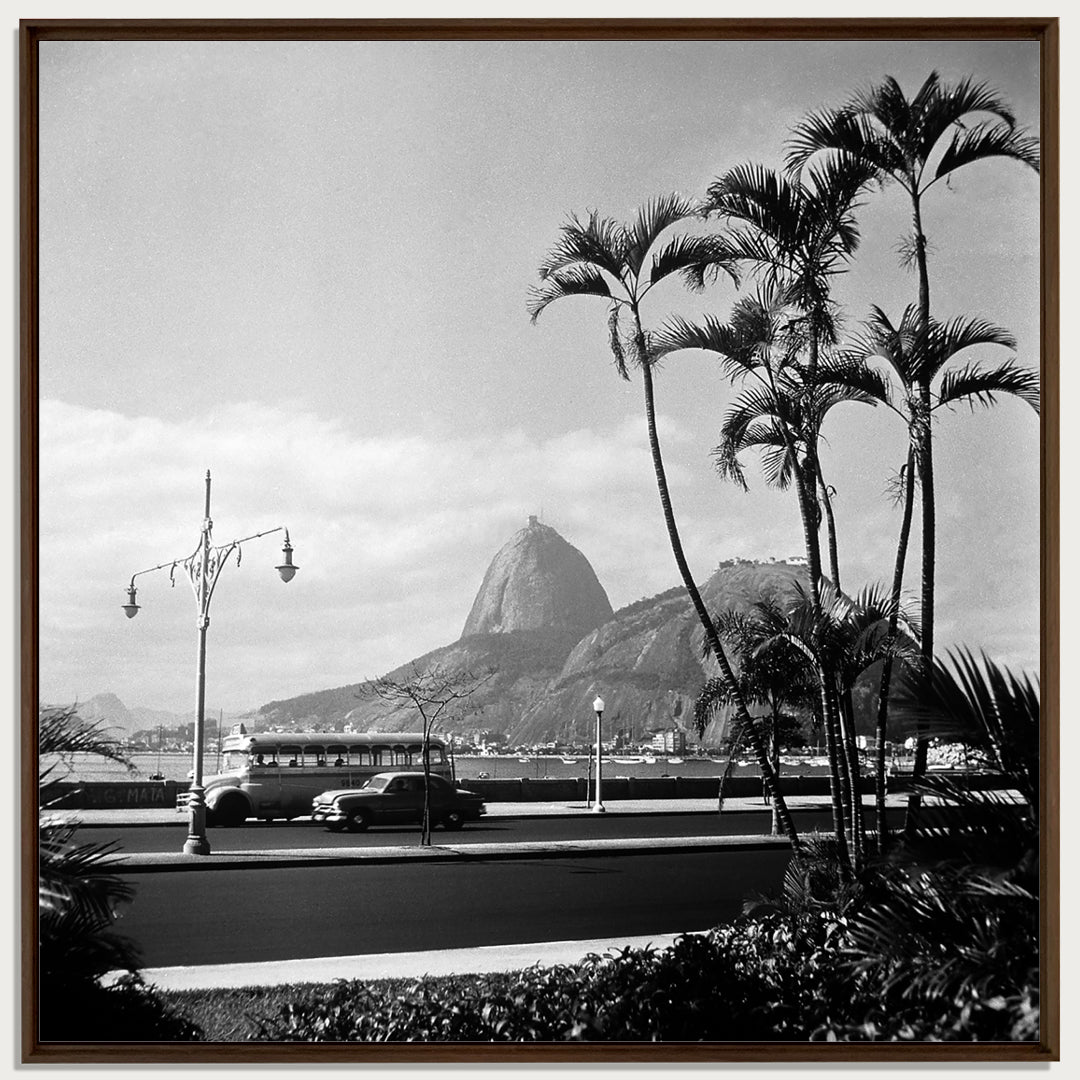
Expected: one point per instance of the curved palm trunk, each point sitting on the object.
(834, 558)
(837, 777)
(924, 456)
(774, 753)
(851, 754)
(887, 665)
(742, 717)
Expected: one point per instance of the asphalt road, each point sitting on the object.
(237, 916)
(263, 836)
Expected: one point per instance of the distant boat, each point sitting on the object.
(649, 760)
(675, 760)
(524, 760)
(569, 760)
(628, 760)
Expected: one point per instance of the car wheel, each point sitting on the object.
(358, 820)
(454, 820)
(231, 812)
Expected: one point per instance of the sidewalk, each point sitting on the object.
(614, 808)
(480, 959)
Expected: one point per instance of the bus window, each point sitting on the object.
(290, 755)
(380, 755)
(336, 756)
(235, 761)
(358, 757)
(400, 756)
(415, 755)
(314, 754)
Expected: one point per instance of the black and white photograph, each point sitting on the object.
(537, 539)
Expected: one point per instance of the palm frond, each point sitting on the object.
(976, 700)
(576, 280)
(987, 141)
(600, 241)
(846, 131)
(695, 257)
(976, 384)
(652, 219)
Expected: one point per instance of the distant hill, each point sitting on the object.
(125, 721)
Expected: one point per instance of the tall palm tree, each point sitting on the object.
(780, 411)
(915, 143)
(620, 264)
(797, 235)
(922, 356)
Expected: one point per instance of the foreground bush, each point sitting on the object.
(768, 976)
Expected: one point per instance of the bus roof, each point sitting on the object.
(326, 738)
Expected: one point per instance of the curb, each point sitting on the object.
(157, 862)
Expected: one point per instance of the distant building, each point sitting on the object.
(669, 741)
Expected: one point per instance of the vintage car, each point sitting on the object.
(392, 798)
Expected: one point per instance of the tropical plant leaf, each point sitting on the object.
(978, 385)
(987, 141)
(695, 257)
(577, 280)
(652, 219)
(601, 242)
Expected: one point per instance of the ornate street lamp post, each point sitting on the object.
(598, 708)
(202, 567)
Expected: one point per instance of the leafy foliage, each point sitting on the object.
(78, 895)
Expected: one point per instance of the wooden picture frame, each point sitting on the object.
(34, 32)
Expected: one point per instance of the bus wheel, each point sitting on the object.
(231, 812)
(453, 820)
(358, 821)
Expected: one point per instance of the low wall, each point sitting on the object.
(113, 795)
(161, 794)
(653, 787)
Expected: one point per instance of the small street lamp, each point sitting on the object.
(202, 567)
(598, 708)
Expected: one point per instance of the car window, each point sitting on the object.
(376, 783)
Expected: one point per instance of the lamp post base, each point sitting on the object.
(599, 809)
(196, 842)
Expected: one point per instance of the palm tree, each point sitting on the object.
(797, 236)
(920, 358)
(840, 637)
(620, 264)
(780, 412)
(776, 682)
(917, 143)
(792, 233)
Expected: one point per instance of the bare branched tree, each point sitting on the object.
(436, 694)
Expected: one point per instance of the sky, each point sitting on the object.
(305, 267)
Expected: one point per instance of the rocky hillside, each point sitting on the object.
(542, 625)
(646, 661)
(538, 581)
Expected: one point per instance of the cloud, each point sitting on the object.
(393, 533)
(392, 536)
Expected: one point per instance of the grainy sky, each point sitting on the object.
(304, 267)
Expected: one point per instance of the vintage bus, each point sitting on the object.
(278, 774)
